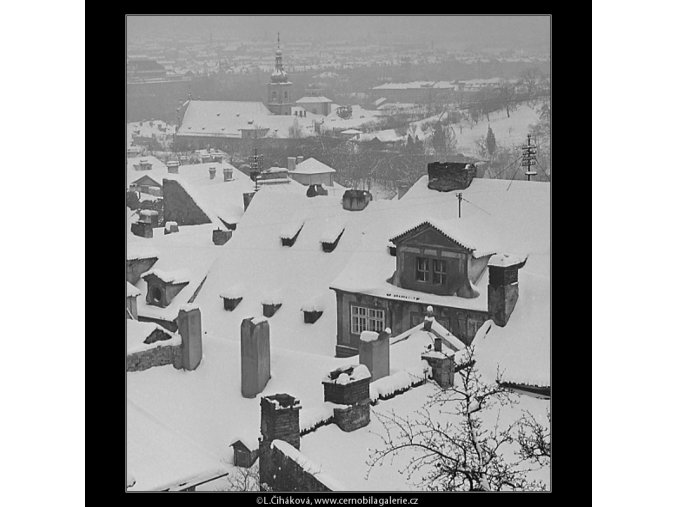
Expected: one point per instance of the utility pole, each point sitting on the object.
(529, 157)
(459, 195)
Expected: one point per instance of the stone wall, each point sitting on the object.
(157, 356)
(288, 475)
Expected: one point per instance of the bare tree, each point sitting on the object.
(534, 439)
(450, 445)
(244, 479)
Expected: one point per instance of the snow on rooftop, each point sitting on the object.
(132, 291)
(178, 276)
(137, 332)
(313, 100)
(156, 172)
(521, 349)
(369, 336)
(256, 261)
(190, 251)
(312, 166)
(497, 218)
(504, 260)
(307, 465)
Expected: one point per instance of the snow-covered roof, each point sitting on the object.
(137, 332)
(220, 200)
(521, 349)
(470, 234)
(493, 220)
(189, 251)
(157, 171)
(312, 166)
(221, 118)
(179, 276)
(132, 291)
(255, 260)
(213, 118)
(313, 100)
(385, 136)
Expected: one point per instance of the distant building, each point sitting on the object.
(311, 172)
(316, 105)
(279, 88)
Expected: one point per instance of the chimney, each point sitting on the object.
(173, 166)
(448, 176)
(299, 159)
(189, 324)
(142, 229)
(374, 352)
(280, 419)
(291, 164)
(212, 173)
(503, 287)
(149, 216)
(171, 227)
(437, 345)
(227, 174)
(255, 355)
(356, 200)
(348, 387)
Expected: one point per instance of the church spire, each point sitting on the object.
(279, 75)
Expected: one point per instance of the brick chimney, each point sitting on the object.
(348, 386)
(254, 355)
(291, 164)
(374, 352)
(227, 174)
(280, 419)
(189, 324)
(212, 173)
(503, 287)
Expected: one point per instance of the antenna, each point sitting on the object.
(529, 157)
(459, 195)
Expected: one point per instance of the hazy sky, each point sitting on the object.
(458, 31)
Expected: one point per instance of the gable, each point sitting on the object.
(146, 181)
(425, 234)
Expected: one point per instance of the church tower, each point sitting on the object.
(279, 88)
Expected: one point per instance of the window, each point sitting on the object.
(439, 272)
(422, 274)
(285, 95)
(366, 319)
(156, 295)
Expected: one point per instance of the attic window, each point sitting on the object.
(156, 295)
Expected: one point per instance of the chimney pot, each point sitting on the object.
(212, 172)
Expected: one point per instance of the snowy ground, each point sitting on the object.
(508, 131)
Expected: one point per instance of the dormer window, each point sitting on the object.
(163, 286)
(155, 296)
